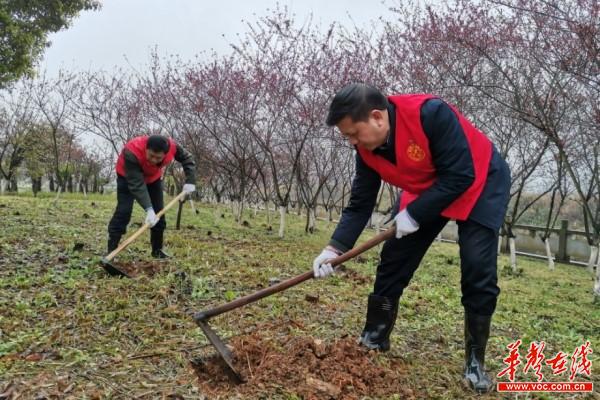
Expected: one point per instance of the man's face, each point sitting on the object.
(368, 134)
(154, 157)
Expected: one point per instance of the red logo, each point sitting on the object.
(414, 152)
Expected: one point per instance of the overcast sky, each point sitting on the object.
(124, 32)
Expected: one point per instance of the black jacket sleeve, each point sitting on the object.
(451, 157)
(187, 162)
(355, 216)
(135, 180)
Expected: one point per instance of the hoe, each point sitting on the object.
(107, 261)
(202, 317)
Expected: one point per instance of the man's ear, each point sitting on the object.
(380, 116)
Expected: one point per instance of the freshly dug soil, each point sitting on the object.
(136, 268)
(304, 366)
(354, 276)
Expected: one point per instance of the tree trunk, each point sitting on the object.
(597, 283)
(235, 207)
(12, 184)
(239, 210)
(83, 187)
(57, 194)
(307, 224)
(513, 254)
(36, 185)
(268, 212)
(500, 244)
(282, 210)
(376, 222)
(594, 250)
(51, 183)
(549, 254)
(311, 217)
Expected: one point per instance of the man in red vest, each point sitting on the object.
(447, 169)
(139, 177)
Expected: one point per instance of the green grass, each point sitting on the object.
(103, 337)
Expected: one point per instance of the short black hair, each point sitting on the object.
(158, 143)
(356, 100)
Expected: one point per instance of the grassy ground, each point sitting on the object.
(68, 330)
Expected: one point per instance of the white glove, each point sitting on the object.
(151, 217)
(405, 225)
(189, 188)
(321, 269)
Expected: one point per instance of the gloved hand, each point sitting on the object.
(405, 225)
(189, 188)
(321, 268)
(151, 217)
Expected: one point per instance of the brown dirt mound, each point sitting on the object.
(353, 275)
(357, 277)
(137, 268)
(304, 366)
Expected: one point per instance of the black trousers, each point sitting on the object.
(400, 258)
(125, 199)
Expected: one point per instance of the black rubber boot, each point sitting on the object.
(381, 317)
(477, 331)
(156, 240)
(113, 243)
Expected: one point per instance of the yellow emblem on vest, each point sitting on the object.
(415, 152)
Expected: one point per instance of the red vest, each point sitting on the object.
(414, 171)
(137, 146)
